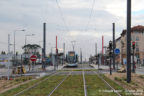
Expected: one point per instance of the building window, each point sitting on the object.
(137, 38)
(137, 44)
(137, 49)
(133, 38)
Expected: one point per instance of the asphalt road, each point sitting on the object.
(4, 71)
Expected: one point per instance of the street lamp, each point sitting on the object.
(26, 41)
(14, 42)
(26, 37)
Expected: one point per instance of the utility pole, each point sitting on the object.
(15, 46)
(8, 43)
(64, 53)
(113, 45)
(110, 55)
(80, 55)
(98, 61)
(8, 55)
(102, 49)
(128, 41)
(96, 48)
(44, 46)
(96, 52)
(56, 53)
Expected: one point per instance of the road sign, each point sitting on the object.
(117, 51)
(33, 58)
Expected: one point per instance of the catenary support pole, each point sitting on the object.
(102, 49)
(113, 46)
(44, 45)
(128, 41)
(57, 52)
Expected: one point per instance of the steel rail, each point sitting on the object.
(59, 84)
(98, 74)
(33, 86)
(84, 83)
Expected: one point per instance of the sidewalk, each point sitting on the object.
(100, 67)
(52, 67)
(139, 70)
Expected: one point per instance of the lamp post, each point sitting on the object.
(53, 58)
(26, 42)
(27, 36)
(14, 42)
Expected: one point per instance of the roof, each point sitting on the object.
(138, 28)
(118, 39)
(123, 32)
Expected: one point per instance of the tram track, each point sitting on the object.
(52, 85)
(114, 90)
(84, 81)
(59, 84)
(36, 84)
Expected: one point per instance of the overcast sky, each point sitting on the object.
(83, 21)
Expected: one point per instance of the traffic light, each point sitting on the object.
(133, 45)
(110, 45)
(110, 54)
(110, 48)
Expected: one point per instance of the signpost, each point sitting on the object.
(33, 58)
(117, 51)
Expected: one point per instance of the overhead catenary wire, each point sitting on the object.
(90, 16)
(86, 28)
(66, 28)
(62, 16)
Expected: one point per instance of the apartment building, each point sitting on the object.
(137, 36)
(118, 45)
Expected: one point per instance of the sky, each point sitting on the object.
(82, 21)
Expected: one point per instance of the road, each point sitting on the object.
(37, 69)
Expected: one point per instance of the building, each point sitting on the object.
(137, 36)
(118, 45)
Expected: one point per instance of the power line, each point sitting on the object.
(62, 16)
(90, 16)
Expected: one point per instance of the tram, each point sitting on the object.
(72, 59)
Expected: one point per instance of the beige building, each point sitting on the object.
(137, 35)
(118, 45)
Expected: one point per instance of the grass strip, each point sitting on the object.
(21, 87)
(116, 86)
(72, 86)
(45, 87)
(96, 87)
(141, 76)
